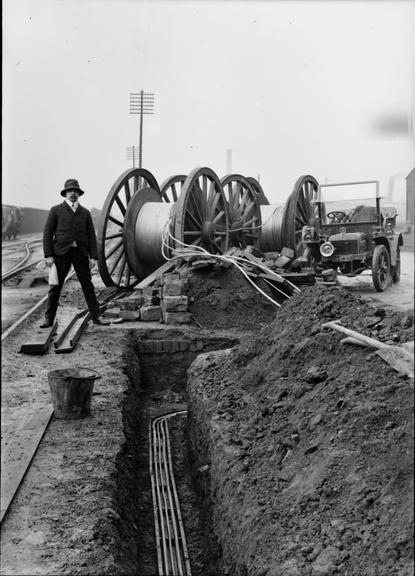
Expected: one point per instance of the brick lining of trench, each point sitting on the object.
(156, 364)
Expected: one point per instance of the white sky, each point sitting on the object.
(292, 88)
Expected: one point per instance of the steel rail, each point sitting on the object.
(172, 553)
(10, 273)
(18, 266)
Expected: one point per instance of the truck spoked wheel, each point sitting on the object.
(381, 268)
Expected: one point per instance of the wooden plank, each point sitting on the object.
(251, 274)
(70, 336)
(166, 267)
(272, 277)
(203, 263)
(350, 340)
(253, 258)
(40, 342)
(17, 451)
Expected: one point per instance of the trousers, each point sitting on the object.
(80, 262)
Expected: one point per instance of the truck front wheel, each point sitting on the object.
(396, 274)
(381, 268)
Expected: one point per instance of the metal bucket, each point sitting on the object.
(71, 390)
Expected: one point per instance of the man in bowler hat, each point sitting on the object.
(69, 238)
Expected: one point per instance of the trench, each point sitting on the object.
(156, 363)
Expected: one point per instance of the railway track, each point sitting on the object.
(172, 554)
(22, 263)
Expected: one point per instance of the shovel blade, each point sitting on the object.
(399, 359)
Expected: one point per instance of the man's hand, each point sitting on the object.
(92, 263)
(49, 261)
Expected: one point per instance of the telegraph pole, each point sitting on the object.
(132, 152)
(141, 103)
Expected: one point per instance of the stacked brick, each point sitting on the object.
(169, 346)
(175, 302)
(164, 301)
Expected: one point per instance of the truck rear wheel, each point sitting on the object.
(381, 268)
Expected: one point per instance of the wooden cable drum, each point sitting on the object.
(283, 224)
(201, 216)
(141, 224)
(136, 221)
(113, 266)
(171, 188)
(244, 211)
(262, 199)
(271, 215)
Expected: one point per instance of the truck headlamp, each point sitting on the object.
(327, 249)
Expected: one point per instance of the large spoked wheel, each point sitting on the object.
(112, 262)
(300, 210)
(201, 213)
(262, 199)
(381, 268)
(396, 275)
(244, 211)
(171, 188)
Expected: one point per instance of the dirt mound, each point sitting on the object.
(223, 299)
(309, 444)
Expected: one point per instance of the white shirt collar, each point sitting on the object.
(71, 205)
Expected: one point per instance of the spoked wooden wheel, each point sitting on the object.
(262, 199)
(244, 211)
(171, 188)
(201, 213)
(300, 210)
(112, 263)
(381, 268)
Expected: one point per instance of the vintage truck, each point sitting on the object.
(352, 233)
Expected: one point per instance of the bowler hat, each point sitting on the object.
(71, 185)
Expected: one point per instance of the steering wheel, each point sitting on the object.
(337, 216)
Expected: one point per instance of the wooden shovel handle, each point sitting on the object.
(356, 335)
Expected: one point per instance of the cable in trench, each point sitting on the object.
(172, 554)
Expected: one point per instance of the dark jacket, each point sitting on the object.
(63, 226)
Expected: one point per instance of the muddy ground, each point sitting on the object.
(83, 507)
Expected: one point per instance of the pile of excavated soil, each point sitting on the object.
(223, 299)
(303, 446)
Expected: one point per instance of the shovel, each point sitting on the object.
(400, 358)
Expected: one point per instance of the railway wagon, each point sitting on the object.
(11, 221)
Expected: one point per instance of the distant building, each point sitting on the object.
(410, 197)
